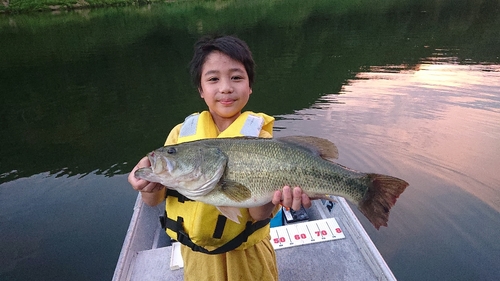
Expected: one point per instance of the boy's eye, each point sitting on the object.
(213, 79)
(237, 77)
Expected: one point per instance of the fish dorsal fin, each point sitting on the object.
(317, 146)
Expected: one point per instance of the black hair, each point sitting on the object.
(231, 46)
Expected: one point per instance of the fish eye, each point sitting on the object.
(171, 150)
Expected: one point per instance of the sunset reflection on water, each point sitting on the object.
(456, 132)
(442, 119)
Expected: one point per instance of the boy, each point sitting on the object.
(215, 248)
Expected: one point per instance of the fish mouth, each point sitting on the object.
(160, 164)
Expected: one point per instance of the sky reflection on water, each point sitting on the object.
(63, 228)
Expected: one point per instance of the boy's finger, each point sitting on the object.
(306, 201)
(297, 198)
(287, 196)
(276, 197)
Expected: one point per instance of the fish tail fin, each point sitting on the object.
(380, 197)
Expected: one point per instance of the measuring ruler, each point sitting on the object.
(297, 234)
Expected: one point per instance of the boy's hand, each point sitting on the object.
(140, 184)
(291, 198)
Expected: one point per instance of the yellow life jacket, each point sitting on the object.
(201, 226)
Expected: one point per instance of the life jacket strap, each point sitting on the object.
(175, 193)
(219, 226)
(234, 243)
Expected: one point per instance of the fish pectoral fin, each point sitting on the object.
(235, 190)
(231, 213)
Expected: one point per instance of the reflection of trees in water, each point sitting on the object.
(94, 95)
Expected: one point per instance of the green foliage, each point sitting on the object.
(27, 6)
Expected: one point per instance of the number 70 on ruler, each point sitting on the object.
(305, 233)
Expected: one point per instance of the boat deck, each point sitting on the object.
(147, 253)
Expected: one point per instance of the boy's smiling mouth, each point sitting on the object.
(227, 101)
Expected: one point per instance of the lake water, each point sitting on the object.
(404, 88)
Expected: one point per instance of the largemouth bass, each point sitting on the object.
(233, 173)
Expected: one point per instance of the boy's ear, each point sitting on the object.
(201, 92)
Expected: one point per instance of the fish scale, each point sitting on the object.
(294, 168)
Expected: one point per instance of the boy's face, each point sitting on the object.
(224, 86)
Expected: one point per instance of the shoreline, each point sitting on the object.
(34, 6)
